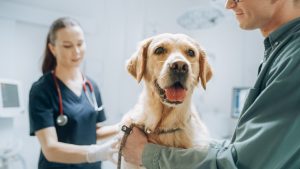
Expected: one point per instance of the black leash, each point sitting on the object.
(127, 131)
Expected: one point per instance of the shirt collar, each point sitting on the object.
(275, 37)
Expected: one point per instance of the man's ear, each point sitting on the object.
(205, 72)
(136, 64)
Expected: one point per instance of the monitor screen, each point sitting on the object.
(11, 103)
(10, 95)
(239, 95)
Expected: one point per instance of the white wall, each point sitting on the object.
(22, 50)
(113, 28)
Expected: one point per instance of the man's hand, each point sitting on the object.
(134, 147)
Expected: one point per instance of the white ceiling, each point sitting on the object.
(77, 7)
(92, 7)
(156, 13)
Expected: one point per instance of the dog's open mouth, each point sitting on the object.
(174, 94)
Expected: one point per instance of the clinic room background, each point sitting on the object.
(113, 29)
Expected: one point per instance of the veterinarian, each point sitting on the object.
(65, 106)
(267, 134)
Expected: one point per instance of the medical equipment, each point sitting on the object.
(62, 119)
(11, 104)
(239, 95)
(10, 157)
(93, 100)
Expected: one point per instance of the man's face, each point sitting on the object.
(252, 14)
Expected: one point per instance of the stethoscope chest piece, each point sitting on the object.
(62, 120)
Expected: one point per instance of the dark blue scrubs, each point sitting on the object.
(82, 118)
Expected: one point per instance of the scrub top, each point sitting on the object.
(82, 118)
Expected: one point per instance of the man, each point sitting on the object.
(267, 135)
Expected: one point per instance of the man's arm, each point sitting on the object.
(158, 157)
(139, 152)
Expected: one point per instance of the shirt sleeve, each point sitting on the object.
(40, 109)
(267, 135)
(212, 157)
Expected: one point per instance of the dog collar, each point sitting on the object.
(166, 131)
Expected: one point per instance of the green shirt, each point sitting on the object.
(267, 135)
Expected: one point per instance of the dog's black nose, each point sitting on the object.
(179, 67)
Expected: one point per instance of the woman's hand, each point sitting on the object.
(102, 152)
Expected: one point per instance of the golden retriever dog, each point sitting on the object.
(171, 66)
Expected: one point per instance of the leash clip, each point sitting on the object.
(126, 129)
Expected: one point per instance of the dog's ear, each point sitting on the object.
(205, 73)
(137, 63)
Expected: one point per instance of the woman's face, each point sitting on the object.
(69, 47)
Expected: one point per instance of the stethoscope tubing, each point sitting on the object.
(62, 118)
(58, 93)
(92, 101)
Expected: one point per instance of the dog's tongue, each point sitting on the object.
(175, 94)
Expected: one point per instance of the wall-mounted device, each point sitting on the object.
(11, 106)
(239, 95)
(10, 98)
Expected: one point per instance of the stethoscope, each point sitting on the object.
(62, 119)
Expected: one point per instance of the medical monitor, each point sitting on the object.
(10, 98)
(239, 95)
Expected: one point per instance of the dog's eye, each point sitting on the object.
(159, 50)
(191, 53)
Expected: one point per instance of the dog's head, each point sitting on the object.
(171, 65)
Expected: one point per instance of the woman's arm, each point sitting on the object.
(56, 151)
(104, 132)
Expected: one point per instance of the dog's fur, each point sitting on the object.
(173, 123)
